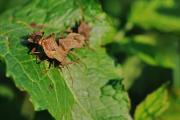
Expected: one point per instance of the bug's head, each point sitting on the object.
(35, 37)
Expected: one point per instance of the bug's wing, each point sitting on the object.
(84, 29)
(53, 49)
(49, 45)
(77, 41)
(66, 44)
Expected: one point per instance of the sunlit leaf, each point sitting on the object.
(153, 105)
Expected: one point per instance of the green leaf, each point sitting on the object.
(132, 74)
(52, 89)
(153, 14)
(174, 108)
(6, 92)
(150, 48)
(9, 4)
(153, 105)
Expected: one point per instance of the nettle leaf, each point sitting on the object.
(96, 92)
(154, 105)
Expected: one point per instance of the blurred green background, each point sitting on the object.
(146, 49)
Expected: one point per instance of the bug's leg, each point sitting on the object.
(68, 70)
(47, 69)
(74, 55)
(88, 45)
(61, 68)
(70, 75)
(33, 51)
(77, 59)
(38, 62)
(67, 63)
(50, 64)
(69, 30)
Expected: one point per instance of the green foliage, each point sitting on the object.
(150, 48)
(151, 35)
(53, 89)
(141, 38)
(154, 26)
(154, 104)
(6, 92)
(153, 14)
(173, 112)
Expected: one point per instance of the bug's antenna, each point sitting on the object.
(70, 75)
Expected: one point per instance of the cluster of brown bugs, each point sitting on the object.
(58, 49)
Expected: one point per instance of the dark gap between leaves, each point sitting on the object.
(151, 79)
(114, 51)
